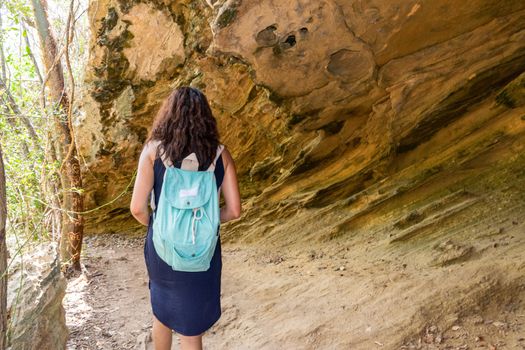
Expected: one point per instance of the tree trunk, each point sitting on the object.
(3, 257)
(72, 228)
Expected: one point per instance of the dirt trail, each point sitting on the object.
(332, 296)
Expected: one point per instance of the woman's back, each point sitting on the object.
(187, 302)
(176, 295)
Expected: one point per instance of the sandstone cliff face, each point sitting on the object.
(394, 127)
(319, 101)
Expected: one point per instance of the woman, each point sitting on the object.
(185, 302)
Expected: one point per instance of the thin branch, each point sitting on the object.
(9, 115)
(30, 51)
(71, 212)
(10, 104)
(29, 22)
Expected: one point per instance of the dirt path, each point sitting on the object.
(333, 297)
(107, 307)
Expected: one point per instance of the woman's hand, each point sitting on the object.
(143, 185)
(230, 190)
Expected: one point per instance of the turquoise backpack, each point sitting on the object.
(187, 218)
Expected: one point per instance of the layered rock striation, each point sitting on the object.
(391, 130)
(317, 101)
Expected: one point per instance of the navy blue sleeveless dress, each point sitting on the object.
(187, 302)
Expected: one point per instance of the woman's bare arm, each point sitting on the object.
(230, 190)
(143, 185)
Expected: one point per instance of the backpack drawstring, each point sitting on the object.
(193, 220)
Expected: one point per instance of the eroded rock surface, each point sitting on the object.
(394, 124)
(313, 98)
(34, 301)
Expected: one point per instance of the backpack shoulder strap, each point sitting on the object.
(220, 148)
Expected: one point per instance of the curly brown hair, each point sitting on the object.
(185, 124)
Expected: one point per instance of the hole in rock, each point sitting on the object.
(290, 40)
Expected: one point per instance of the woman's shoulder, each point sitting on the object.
(226, 157)
(150, 149)
(225, 150)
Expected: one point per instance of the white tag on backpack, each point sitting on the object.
(189, 192)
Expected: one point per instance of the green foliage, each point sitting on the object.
(17, 9)
(25, 161)
(23, 186)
